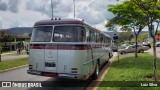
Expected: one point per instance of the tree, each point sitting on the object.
(125, 36)
(151, 11)
(111, 26)
(143, 37)
(0, 52)
(6, 36)
(130, 17)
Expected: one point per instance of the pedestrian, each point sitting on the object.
(19, 50)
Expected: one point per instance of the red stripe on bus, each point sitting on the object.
(37, 47)
(51, 47)
(61, 47)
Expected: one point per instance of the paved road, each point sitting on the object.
(11, 57)
(21, 75)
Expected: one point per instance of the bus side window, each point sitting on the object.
(101, 38)
(92, 36)
(98, 37)
(103, 41)
(88, 36)
(83, 34)
(95, 37)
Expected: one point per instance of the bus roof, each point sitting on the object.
(59, 21)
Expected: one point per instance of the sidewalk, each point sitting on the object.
(8, 53)
(102, 74)
(11, 55)
(157, 51)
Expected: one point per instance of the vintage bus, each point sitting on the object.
(67, 48)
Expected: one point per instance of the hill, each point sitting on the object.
(21, 30)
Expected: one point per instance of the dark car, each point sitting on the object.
(114, 48)
(149, 45)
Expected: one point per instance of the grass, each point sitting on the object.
(131, 69)
(13, 63)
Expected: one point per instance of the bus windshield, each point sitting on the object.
(69, 34)
(42, 34)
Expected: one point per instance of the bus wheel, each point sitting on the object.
(96, 72)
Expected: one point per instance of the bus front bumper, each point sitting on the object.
(49, 74)
(34, 72)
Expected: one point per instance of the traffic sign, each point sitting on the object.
(115, 37)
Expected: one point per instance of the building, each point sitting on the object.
(21, 34)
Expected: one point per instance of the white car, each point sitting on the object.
(131, 48)
(157, 44)
(123, 45)
(114, 48)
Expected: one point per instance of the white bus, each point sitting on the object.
(67, 48)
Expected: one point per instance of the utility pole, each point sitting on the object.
(74, 7)
(52, 9)
(115, 38)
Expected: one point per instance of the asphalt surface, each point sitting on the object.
(12, 57)
(21, 75)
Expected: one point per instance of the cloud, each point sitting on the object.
(3, 6)
(1, 22)
(95, 12)
(25, 12)
(21, 19)
(13, 5)
(61, 8)
(9, 5)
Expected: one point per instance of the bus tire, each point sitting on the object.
(96, 72)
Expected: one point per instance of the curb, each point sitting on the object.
(6, 54)
(101, 76)
(10, 54)
(10, 69)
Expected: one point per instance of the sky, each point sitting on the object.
(24, 13)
